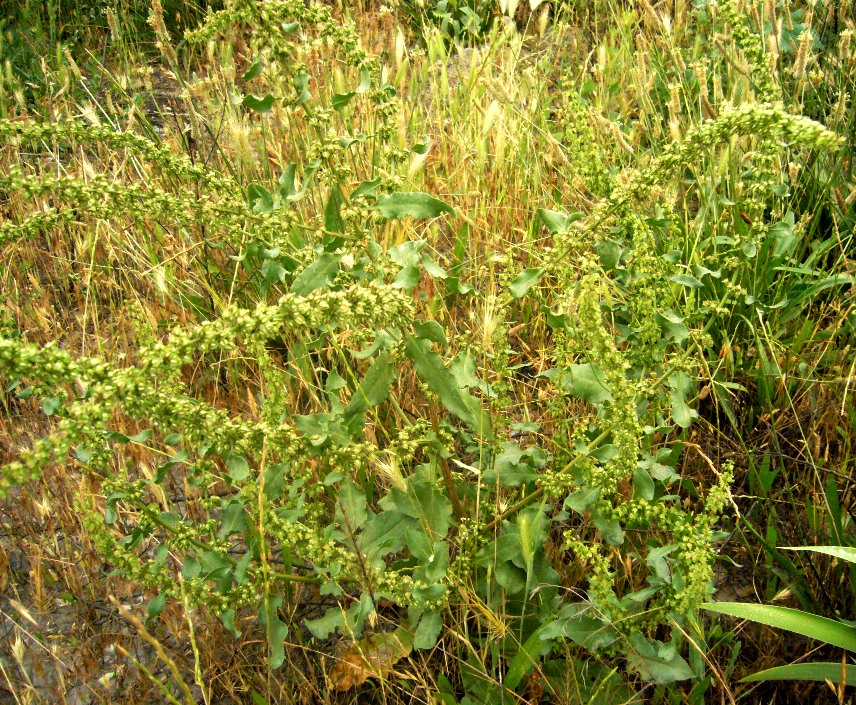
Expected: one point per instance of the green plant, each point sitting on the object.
(822, 629)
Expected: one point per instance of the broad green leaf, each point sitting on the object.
(831, 672)
(673, 326)
(423, 502)
(301, 83)
(588, 632)
(333, 213)
(340, 100)
(408, 277)
(227, 616)
(588, 382)
(687, 280)
(254, 71)
(656, 662)
(383, 534)
(429, 365)
(395, 206)
(367, 188)
(810, 625)
(259, 105)
(233, 518)
(351, 507)
(260, 199)
(681, 411)
(643, 485)
(433, 331)
(238, 467)
(845, 553)
(682, 385)
(428, 630)
(156, 605)
(609, 528)
(524, 281)
(276, 629)
(320, 273)
(324, 626)
(287, 188)
(557, 222)
(374, 388)
(582, 499)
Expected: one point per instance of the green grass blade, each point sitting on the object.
(805, 672)
(810, 625)
(845, 553)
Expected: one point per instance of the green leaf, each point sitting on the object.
(260, 199)
(259, 105)
(233, 518)
(333, 213)
(408, 277)
(254, 71)
(50, 406)
(287, 188)
(395, 206)
(156, 605)
(276, 629)
(845, 553)
(423, 502)
(365, 81)
(609, 528)
(524, 281)
(428, 630)
(810, 625)
(433, 331)
(672, 325)
(351, 507)
(301, 82)
(374, 388)
(383, 534)
(238, 467)
(572, 623)
(831, 672)
(320, 273)
(340, 100)
(367, 188)
(582, 499)
(557, 222)
(588, 382)
(525, 660)
(643, 485)
(681, 411)
(429, 365)
(323, 627)
(657, 662)
(227, 616)
(687, 280)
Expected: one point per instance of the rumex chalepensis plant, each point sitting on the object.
(399, 500)
(639, 306)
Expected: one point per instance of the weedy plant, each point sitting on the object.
(358, 449)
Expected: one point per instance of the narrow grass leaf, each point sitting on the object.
(845, 553)
(822, 672)
(810, 625)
